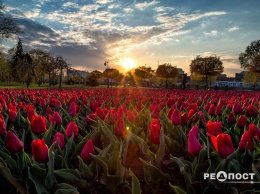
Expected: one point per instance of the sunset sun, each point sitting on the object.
(128, 63)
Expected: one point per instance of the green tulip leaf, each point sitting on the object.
(9, 160)
(177, 190)
(66, 191)
(114, 159)
(161, 150)
(37, 175)
(136, 189)
(5, 172)
(85, 170)
(50, 179)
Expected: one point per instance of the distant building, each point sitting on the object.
(239, 76)
(77, 73)
(223, 77)
(181, 74)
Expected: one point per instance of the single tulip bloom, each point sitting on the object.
(190, 114)
(100, 113)
(57, 118)
(90, 118)
(194, 146)
(130, 116)
(120, 129)
(59, 138)
(223, 144)
(218, 111)
(254, 130)
(30, 112)
(155, 121)
(237, 108)
(72, 128)
(87, 150)
(195, 131)
(246, 139)
(38, 124)
(251, 111)
(176, 117)
(212, 110)
(231, 118)
(73, 109)
(214, 128)
(39, 151)
(156, 112)
(241, 122)
(155, 133)
(12, 115)
(37, 101)
(13, 143)
(2, 127)
(111, 117)
(184, 118)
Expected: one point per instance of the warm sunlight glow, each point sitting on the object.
(128, 63)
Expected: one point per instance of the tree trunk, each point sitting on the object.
(60, 77)
(166, 83)
(49, 78)
(206, 81)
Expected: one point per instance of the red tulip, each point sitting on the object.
(72, 128)
(57, 118)
(153, 122)
(155, 133)
(87, 149)
(2, 127)
(194, 146)
(190, 114)
(12, 115)
(59, 138)
(111, 117)
(231, 118)
(251, 111)
(246, 139)
(254, 130)
(170, 102)
(73, 109)
(13, 143)
(184, 118)
(90, 118)
(130, 116)
(120, 129)
(38, 124)
(39, 151)
(120, 112)
(223, 144)
(100, 113)
(214, 128)
(218, 111)
(156, 112)
(195, 130)
(42, 102)
(176, 117)
(241, 122)
(48, 110)
(212, 110)
(30, 112)
(237, 108)
(37, 101)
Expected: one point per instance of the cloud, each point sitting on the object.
(233, 29)
(33, 13)
(211, 33)
(145, 4)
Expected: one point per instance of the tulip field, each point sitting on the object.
(129, 140)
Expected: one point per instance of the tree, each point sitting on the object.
(252, 78)
(41, 61)
(22, 67)
(166, 71)
(92, 79)
(7, 25)
(110, 73)
(61, 64)
(207, 66)
(5, 68)
(144, 73)
(250, 59)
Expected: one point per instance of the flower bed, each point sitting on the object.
(129, 141)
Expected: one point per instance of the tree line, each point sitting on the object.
(34, 65)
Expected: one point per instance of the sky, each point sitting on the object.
(126, 33)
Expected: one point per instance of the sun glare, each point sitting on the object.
(128, 63)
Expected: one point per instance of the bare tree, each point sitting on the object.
(7, 25)
(61, 64)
